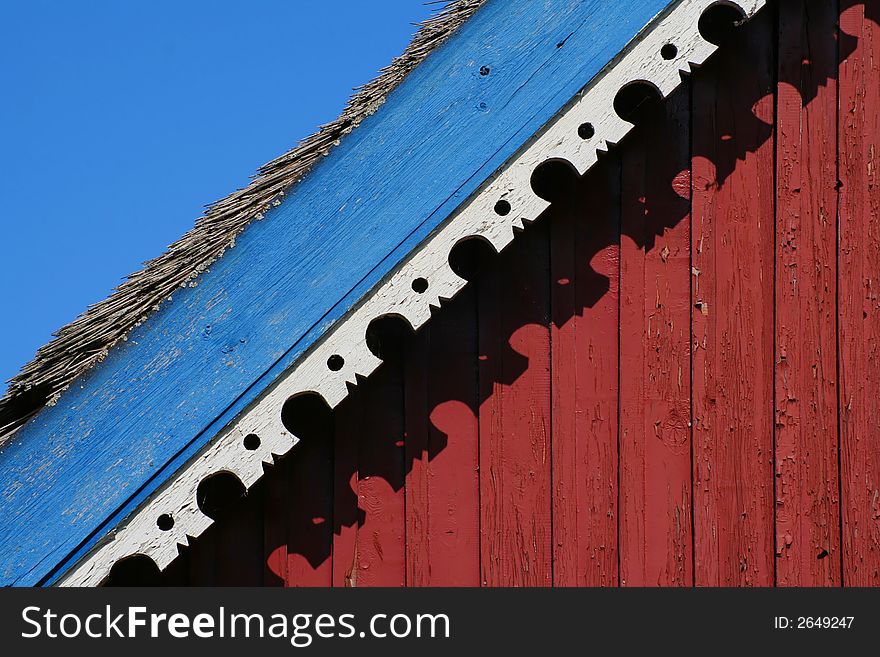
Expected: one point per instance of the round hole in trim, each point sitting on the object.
(335, 363)
(308, 417)
(502, 208)
(251, 442)
(719, 22)
(165, 522)
(136, 570)
(554, 180)
(586, 131)
(669, 51)
(420, 285)
(388, 336)
(484, 71)
(638, 101)
(472, 256)
(218, 493)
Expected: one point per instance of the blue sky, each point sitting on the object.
(120, 120)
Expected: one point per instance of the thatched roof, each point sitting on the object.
(86, 341)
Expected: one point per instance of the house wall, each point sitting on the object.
(669, 379)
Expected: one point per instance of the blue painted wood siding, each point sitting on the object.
(82, 465)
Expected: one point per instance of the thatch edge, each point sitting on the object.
(78, 346)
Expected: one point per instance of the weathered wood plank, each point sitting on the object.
(229, 553)
(807, 486)
(655, 462)
(859, 289)
(347, 513)
(195, 364)
(443, 484)
(732, 292)
(240, 550)
(584, 277)
(419, 571)
(276, 531)
(381, 546)
(299, 515)
(514, 416)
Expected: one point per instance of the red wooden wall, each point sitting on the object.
(671, 379)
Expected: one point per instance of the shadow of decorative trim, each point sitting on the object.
(587, 126)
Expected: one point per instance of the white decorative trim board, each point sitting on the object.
(503, 203)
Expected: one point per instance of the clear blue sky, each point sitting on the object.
(120, 120)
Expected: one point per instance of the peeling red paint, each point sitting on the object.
(643, 388)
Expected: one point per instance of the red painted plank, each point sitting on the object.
(229, 552)
(381, 558)
(585, 264)
(276, 508)
(347, 513)
(489, 500)
(442, 441)
(240, 550)
(514, 416)
(299, 514)
(369, 549)
(200, 560)
(418, 440)
(655, 462)
(732, 291)
(807, 486)
(859, 290)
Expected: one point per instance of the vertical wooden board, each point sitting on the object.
(655, 367)
(230, 552)
(453, 446)
(859, 289)
(238, 542)
(347, 514)
(279, 285)
(299, 515)
(514, 416)
(443, 483)
(201, 559)
(807, 485)
(276, 509)
(418, 510)
(585, 263)
(381, 538)
(732, 290)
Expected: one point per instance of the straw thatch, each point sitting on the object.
(86, 341)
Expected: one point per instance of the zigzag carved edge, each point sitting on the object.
(503, 203)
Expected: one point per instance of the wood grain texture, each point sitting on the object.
(859, 294)
(347, 512)
(195, 364)
(231, 552)
(584, 280)
(508, 471)
(655, 461)
(298, 517)
(418, 439)
(276, 510)
(380, 546)
(381, 538)
(84, 342)
(442, 440)
(732, 290)
(807, 485)
(514, 415)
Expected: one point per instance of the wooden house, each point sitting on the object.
(576, 293)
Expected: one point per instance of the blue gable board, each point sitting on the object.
(80, 466)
